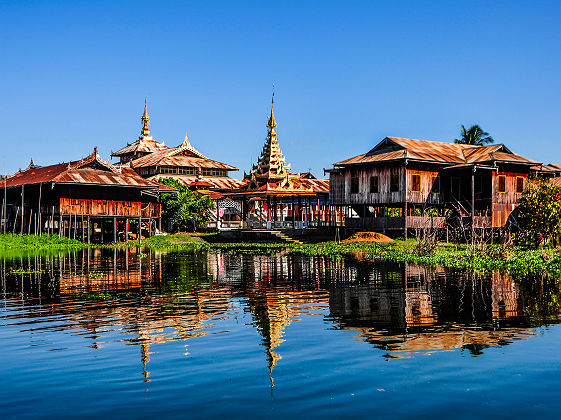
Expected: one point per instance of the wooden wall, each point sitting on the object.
(340, 185)
(505, 203)
(426, 194)
(109, 208)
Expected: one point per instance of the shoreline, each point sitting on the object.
(479, 258)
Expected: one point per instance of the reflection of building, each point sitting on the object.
(158, 298)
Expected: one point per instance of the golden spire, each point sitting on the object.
(272, 124)
(145, 132)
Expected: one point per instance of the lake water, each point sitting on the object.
(122, 334)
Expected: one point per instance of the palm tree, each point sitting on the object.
(474, 136)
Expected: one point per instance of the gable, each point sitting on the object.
(385, 146)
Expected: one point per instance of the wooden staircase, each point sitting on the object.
(285, 237)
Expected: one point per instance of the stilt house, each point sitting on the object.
(403, 184)
(88, 199)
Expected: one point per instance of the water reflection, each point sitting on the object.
(155, 298)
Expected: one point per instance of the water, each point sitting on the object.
(131, 335)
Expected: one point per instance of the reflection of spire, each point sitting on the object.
(145, 132)
(145, 355)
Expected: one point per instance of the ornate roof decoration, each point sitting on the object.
(186, 147)
(145, 132)
(145, 143)
(272, 172)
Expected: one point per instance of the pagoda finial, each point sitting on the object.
(145, 132)
(272, 122)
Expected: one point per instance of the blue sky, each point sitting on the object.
(74, 75)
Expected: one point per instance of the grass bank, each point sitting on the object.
(480, 258)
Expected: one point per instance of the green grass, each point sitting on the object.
(12, 241)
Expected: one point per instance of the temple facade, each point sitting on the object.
(273, 197)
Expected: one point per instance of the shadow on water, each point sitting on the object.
(156, 297)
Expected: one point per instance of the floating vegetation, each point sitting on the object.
(11, 241)
(21, 270)
(96, 275)
(142, 255)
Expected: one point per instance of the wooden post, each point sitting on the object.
(140, 230)
(114, 229)
(126, 230)
(293, 215)
(88, 228)
(472, 204)
(60, 222)
(39, 209)
(29, 221)
(22, 195)
(102, 235)
(82, 227)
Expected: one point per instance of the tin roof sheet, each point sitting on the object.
(221, 183)
(144, 144)
(78, 172)
(163, 158)
(396, 148)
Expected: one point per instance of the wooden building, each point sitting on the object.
(404, 184)
(88, 199)
(154, 160)
(273, 197)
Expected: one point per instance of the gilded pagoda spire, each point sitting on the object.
(145, 132)
(272, 124)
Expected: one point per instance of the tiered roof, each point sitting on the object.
(182, 155)
(145, 143)
(271, 174)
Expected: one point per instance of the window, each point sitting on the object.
(502, 183)
(394, 183)
(416, 183)
(354, 184)
(374, 184)
(435, 184)
(519, 184)
(455, 188)
(478, 184)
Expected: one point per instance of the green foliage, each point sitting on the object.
(14, 241)
(184, 210)
(474, 136)
(539, 213)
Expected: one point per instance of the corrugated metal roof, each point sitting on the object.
(144, 144)
(78, 172)
(396, 148)
(163, 158)
(221, 183)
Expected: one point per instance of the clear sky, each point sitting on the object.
(74, 75)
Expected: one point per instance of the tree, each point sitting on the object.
(184, 210)
(474, 136)
(539, 213)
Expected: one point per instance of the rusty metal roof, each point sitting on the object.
(221, 183)
(397, 148)
(143, 144)
(167, 158)
(90, 170)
